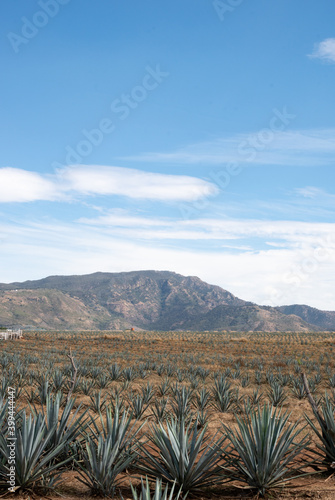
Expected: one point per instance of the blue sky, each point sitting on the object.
(193, 136)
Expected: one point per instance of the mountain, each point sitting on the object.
(325, 320)
(44, 308)
(249, 318)
(151, 300)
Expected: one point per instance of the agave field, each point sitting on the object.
(168, 415)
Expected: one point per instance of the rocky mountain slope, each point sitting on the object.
(325, 320)
(249, 318)
(151, 300)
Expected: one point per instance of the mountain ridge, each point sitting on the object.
(148, 300)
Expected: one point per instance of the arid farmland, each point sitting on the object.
(185, 383)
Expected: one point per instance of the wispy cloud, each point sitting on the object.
(275, 275)
(134, 183)
(295, 234)
(296, 148)
(325, 50)
(312, 192)
(17, 185)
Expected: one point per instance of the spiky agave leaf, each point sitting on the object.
(325, 452)
(159, 409)
(97, 403)
(202, 399)
(137, 404)
(102, 463)
(224, 397)
(181, 404)
(159, 493)
(186, 456)
(264, 449)
(276, 394)
(116, 425)
(3, 415)
(3, 442)
(64, 428)
(33, 463)
(108, 453)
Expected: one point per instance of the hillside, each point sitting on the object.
(248, 318)
(50, 309)
(152, 300)
(325, 320)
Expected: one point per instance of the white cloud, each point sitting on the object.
(119, 220)
(263, 147)
(274, 276)
(293, 233)
(325, 50)
(134, 183)
(311, 192)
(17, 185)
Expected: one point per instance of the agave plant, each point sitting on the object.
(284, 379)
(58, 380)
(270, 377)
(108, 453)
(264, 450)
(137, 404)
(326, 434)
(64, 428)
(276, 394)
(202, 418)
(142, 371)
(298, 388)
(164, 388)
(4, 360)
(236, 374)
(148, 393)
(180, 374)
(245, 380)
(96, 371)
(256, 397)
(125, 385)
(258, 377)
(186, 456)
(159, 409)
(202, 373)
(5, 383)
(243, 405)
(18, 390)
(159, 493)
(114, 371)
(44, 390)
(160, 369)
(129, 374)
(35, 464)
(86, 386)
(3, 415)
(202, 399)
(117, 403)
(317, 378)
(97, 402)
(170, 370)
(224, 396)
(32, 395)
(102, 381)
(181, 404)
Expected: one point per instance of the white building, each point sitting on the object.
(10, 334)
